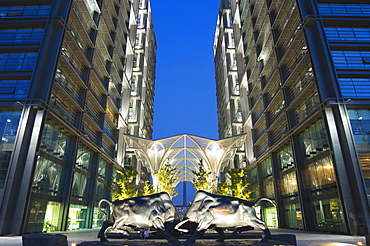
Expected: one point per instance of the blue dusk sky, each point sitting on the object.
(185, 87)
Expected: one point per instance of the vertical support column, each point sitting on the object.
(68, 180)
(15, 202)
(280, 206)
(91, 186)
(348, 169)
(307, 215)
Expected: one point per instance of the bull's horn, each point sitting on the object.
(180, 224)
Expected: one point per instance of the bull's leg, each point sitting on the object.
(101, 234)
(159, 225)
(238, 230)
(260, 224)
(203, 225)
(267, 235)
(169, 237)
(221, 233)
(193, 237)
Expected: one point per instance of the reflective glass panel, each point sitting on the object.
(350, 59)
(347, 34)
(9, 121)
(344, 9)
(32, 35)
(47, 177)
(17, 61)
(355, 87)
(24, 11)
(360, 122)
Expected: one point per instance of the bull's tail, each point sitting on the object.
(102, 211)
(264, 199)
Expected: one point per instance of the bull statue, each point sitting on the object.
(210, 210)
(152, 211)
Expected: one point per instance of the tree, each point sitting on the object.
(201, 180)
(127, 186)
(148, 188)
(235, 184)
(126, 183)
(167, 180)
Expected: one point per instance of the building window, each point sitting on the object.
(84, 159)
(17, 61)
(350, 59)
(51, 161)
(32, 35)
(24, 11)
(47, 177)
(342, 34)
(355, 87)
(9, 121)
(360, 122)
(328, 215)
(344, 9)
(314, 140)
(320, 174)
(14, 89)
(77, 217)
(285, 158)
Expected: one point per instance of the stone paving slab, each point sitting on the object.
(304, 238)
(197, 243)
(283, 239)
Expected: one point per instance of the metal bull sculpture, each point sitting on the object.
(155, 211)
(210, 210)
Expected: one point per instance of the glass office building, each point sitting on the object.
(74, 76)
(297, 75)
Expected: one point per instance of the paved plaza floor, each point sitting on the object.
(303, 238)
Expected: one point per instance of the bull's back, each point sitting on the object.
(143, 208)
(226, 211)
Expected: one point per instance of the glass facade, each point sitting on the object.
(24, 11)
(77, 217)
(288, 188)
(349, 59)
(21, 35)
(350, 54)
(75, 98)
(268, 181)
(347, 34)
(344, 9)
(360, 122)
(9, 121)
(296, 102)
(355, 87)
(51, 163)
(17, 61)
